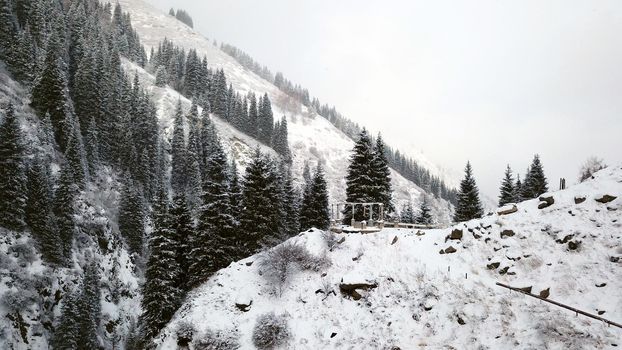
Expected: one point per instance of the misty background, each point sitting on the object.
(489, 81)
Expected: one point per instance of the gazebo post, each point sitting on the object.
(352, 223)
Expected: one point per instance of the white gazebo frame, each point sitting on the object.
(335, 210)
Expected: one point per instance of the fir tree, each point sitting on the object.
(8, 30)
(39, 215)
(424, 217)
(66, 334)
(314, 211)
(184, 234)
(131, 217)
(161, 291)
(213, 242)
(407, 215)
(518, 190)
(161, 76)
(235, 192)
(12, 168)
(535, 183)
(279, 140)
(265, 121)
(64, 210)
(89, 309)
(291, 204)
(381, 177)
(178, 154)
(508, 192)
(360, 185)
(469, 206)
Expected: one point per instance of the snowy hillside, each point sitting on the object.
(311, 137)
(420, 296)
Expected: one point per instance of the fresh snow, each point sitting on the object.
(422, 296)
(311, 137)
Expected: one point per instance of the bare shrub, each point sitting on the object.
(331, 239)
(271, 331)
(591, 165)
(217, 340)
(281, 261)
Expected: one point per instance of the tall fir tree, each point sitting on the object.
(407, 215)
(535, 184)
(132, 216)
(265, 120)
(381, 177)
(12, 168)
(184, 232)
(162, 292)
(424, 217)
(66, 334)
(213, 243)
(469, 206)
(178, 153)
(65, 209)
(360, 183)
(89, 309)
(508, 192)
(518, 190)
(314, 211)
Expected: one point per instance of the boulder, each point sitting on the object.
(504, 270)
(350, 288)
(450, 250)
(600, 285)
(548, 199)
(507, 233)
(394, 240)
(543, 205)
(420, 233)
(574, 245)
(343, 239)
(579, 200)
(456, 234)
(525, 289)
(441, 251)
(545, 293)
(493, 265)
(507, 209)
(605, 199)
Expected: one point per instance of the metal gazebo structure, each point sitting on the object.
(369, 225)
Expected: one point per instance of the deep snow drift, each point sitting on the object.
(427, 299)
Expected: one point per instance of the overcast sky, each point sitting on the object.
(493, 82)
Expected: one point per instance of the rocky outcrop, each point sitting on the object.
(545, 201)
(579, 200)
(605, 198)
(507, 233)
(508, 209)
(456, 234)
(352, 289)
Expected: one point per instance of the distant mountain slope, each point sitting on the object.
(311, 137)
(426, 299)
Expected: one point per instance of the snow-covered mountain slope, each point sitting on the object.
(425, 299)
(312, 138)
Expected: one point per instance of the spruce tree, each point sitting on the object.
(381, 177)
(360, 183)
(265, 121)
(213, 242)
(508, 192)
(518, 190)
(12, 168)
(65, 209)
(291, 204)
(184, 236)
(89, 309)
(536, 183)
(66, 334)
(424, 217)
(314, 210)
(131, 217)
(235, 192)
(178, 154)
(162, 291)
(8, 30)
(469, 206)
(407, 215)
(39, 215)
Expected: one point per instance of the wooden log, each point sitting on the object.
(577, 311)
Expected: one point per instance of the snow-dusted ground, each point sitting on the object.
(311, 137)
(422, 296)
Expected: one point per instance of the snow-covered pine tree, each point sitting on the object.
(536, 183)
(39, 215)
(132, 216)
(66, 333)
(89, 309)
(91, 147)
(161, 76)
(235, 192)
(306, 173)
(265, 120)
(518, 190)
(525, 192)
(64, 210)
(321, 215)
(251, 124)
(359, 181)
(259, 217)
(407, 215)
(424, 217)
(381, 177)
(75, 154)
(179, 158)
(508, 192)
(279, 140)
(212, 246)
(469, 206)
(12, 168)
(291, 204)
(162, 292)
(184, 231)
(8, 30)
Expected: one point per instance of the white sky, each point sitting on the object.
(492, 81)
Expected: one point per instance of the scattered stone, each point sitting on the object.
(333, 334)
(249, 263)
(244, 306)
(511, 273)
(476, 236)
(605, 199)
(504, 270)
(493, 265)
(600, 312)
(343, 239)
(545, 201)
(545, 293)
(612, 209)
(441, 252)
(565, 240)
(351, 288)
(394, 240)
(450, 250)
(456, 234)
(508, 209)
(525, 289)
(600, 285)
(420, 233)
(487, 240)
(574, 245)
(507, 233)
(460, 320)
(579, 200)
(543, 205)
(614, 259)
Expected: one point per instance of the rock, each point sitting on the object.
(600, 312)
(615, 259)
(507, 233)
(579, 200)
(605, 199)
(504, 270)
(333, 334)
(600, 285)
(493, 265)
(350, 288)
(243, 302)
(507, 209)
(525, 289)
(460, 320)
(542, 205)
(565, 240)
(249, 263)
(548, 199)
(441, 252)
(574, 245)
(394, 240)
(420, 233)
(476, 236)
(450, 250)
(456, 234)
(343, 239)
(545, 293)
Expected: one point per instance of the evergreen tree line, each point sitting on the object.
(368, 179)
(190, 75)
(422, 217)
(404, 165)
(181, 16)
(533, 185)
